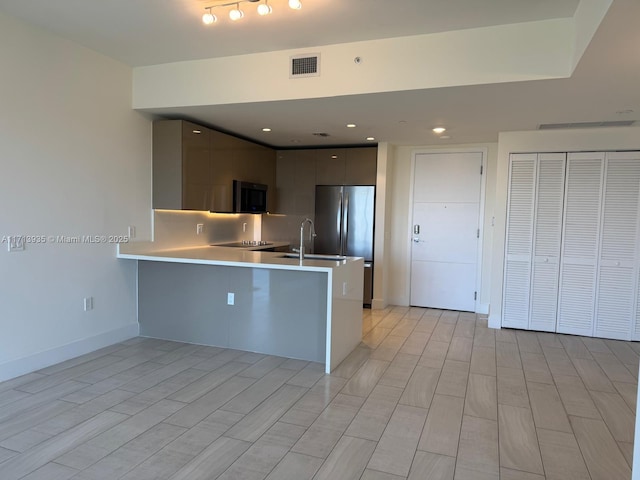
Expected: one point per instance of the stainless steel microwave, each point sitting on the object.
(249, 197)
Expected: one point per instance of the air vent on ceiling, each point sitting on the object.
(321, 134)
(558, 126)
(307, 65)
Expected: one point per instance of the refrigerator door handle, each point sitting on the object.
(345, 224)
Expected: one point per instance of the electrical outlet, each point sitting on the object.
(131, 231)
(199, 228)
(344, 289)
(231, 298)
(88, 304)
(244, 227)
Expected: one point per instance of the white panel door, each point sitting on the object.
(519, 238)
(547, 237)
(617, 273)
(445, 219)
(580, 241)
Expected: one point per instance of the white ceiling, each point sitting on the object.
(147, 32)
(150, 32)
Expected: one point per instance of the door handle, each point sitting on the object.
(416, 240)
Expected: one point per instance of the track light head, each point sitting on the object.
(208, 18)
(264, 9)
(236, 13)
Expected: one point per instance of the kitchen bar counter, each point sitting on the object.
(228, 256)
(311, 310)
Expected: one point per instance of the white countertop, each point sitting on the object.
(226, 256)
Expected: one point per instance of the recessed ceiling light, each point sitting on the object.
(439, 130)
(351, 125)
(197, 132)
(266, 129)
(371, 139)
(334, 156)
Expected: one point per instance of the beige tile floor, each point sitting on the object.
(427, 395)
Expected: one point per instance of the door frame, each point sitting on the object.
(480, 307)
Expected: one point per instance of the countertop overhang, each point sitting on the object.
(226, 256)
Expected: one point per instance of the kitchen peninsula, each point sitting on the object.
(250, 300)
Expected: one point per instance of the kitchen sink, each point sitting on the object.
(313, 256)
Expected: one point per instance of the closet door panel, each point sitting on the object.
(515, 310)
(636, 335)
(614, 312)
(580, 241)
(519, 241)
(615, 302)
(547, 241)
(544, 294)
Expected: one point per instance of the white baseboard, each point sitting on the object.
(494, 322)
(18, 367)
(483, 309)
(378, 304)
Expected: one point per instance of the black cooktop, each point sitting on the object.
(245, 243)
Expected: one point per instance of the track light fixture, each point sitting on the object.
(236, 14)
(264, 8)
(208, 18)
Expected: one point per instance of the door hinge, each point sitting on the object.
(481, 169)
(478, 233)
(475, 295)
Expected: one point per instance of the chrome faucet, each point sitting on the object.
(312, 233)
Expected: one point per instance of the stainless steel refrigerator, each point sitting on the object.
(344, 226)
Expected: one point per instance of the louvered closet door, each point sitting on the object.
(519, 237)
(580, 240)
(547, 234)
(636, 335)
(615, 302)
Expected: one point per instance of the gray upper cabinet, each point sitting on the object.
(299, 171)
(330, 166)
(181, 165)
(296, 182)
(232, 159)
(360, 166)
(194, 167)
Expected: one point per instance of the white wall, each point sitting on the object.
(398, 245)
(383, 216)
(76, 160)
(593, 139)
(495, 54)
